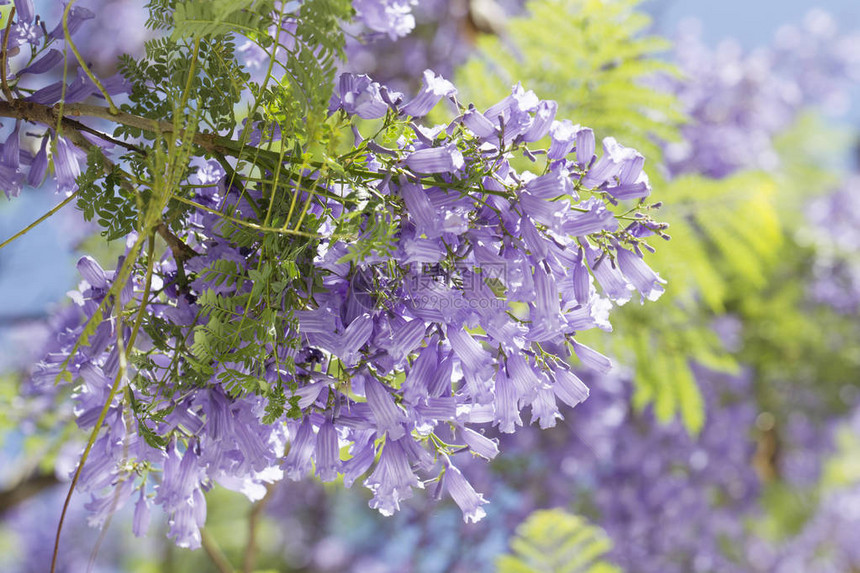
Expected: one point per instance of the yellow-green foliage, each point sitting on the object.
(589, 55)
(595, 59)
(553, 541)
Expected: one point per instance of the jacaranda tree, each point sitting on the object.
(299, 273)
(313, 277)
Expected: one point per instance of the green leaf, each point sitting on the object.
(200, 18)
(554, 541)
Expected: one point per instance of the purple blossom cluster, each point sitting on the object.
(442, 38)
(669, 501)
(836, 273)
(26, 156)
(467, 316)
(738, 102)
(392, 18)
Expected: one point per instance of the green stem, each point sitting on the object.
(123, 364)
(81, 61)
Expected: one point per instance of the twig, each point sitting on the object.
(181, 251)
(35, 223)
(103, 136)
(253, 518)
(214, 552)
(242, 223)
(135, 250)
(26, 488)
(4, 52)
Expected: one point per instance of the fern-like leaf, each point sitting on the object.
(553, 541)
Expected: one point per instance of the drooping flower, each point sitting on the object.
(434, 87)
(393, 479)
(447, 159)
(464, 495)
(66, 166)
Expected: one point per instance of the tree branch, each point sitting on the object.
(253, 518)
(49, 115)
(4, 54)
(212, 143)
(181, 251)
(25, 488)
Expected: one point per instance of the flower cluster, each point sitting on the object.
(24, 157)
(835, 220)
(442, 39)
(739, 101)
(464, 313)
(668, 500)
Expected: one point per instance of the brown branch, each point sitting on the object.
(181, 251)
(49, 115)
(25, 488)
(253, 518)
(103, 136)
(211, 142)
(4, 54)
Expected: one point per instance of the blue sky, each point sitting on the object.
(751, 22)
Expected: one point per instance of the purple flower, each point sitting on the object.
(464, 495)
(544, 408)
(389, 418)
(447, 159)
(298, 460)
(77, 16)
(584, 147)
(434, 87)
(327, 452)
(563, 135)
(92, 272)
(406, 339)
(597, 218)
(419, 379)
(551, 185)
(546, 310)
(24, 10)
(140, 523)
(614, 284)
(363, 455)
(543, 120)
(507, 412)
(479, 124)
(391, 17)
(513, 114)
(353, 338)
(472, 356)
(550, 213)
(11, 177)
(358, 95)
(592, 358)
(568, 387)
(66, 166)
(187, 519)
(480, 444)
(615, 158)
(420, 208)
(647, 282)
(392, 480)
(39, 165)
